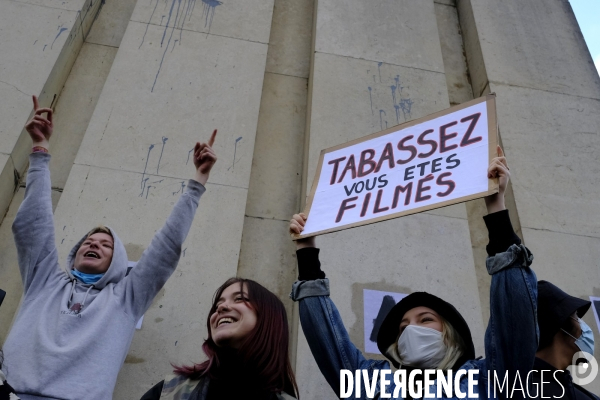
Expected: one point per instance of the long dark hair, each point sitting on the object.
(265, 349)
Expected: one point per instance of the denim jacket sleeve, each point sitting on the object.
(327, 337)
(511, 338)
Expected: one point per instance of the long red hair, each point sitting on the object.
(265, 349)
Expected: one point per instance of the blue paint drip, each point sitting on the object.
(34, 42)
(150, 19)
(146, 166)
(59, 32)
(44, 47)
(234, 149)
(164, 140)
(406, 106)
(143, 186)
(371, 98)
(381, 118)
(397, 108)
(393, 93)
(180, 189)
(148, 190)
(171, 36)
(174, 43)
(184, 256)
(189, 152)
(379, 69)
(209, 11)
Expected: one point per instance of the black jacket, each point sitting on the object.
(558, 384)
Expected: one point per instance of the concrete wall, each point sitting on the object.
(281, 80)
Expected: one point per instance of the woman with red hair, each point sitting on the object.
(246, 349)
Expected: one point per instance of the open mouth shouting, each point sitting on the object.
(92, 254)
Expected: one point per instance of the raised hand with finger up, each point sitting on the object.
(40, 127)
(204, 158)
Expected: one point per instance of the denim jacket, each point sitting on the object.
(511, 337)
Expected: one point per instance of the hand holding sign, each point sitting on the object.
(296, 227)
(204, 158)
(39, 127)
(498, 169)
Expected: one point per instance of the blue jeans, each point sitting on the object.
(511, 337)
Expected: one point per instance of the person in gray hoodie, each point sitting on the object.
(75, 326)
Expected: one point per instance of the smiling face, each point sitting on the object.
(94, 254)
(233, 318)
(422, 316)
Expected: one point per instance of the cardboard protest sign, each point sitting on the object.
(431, 162)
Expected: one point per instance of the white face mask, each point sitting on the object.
(421, 347)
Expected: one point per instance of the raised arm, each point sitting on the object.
(33, 227)
(160, 259)
(321, 322)
(511, 337)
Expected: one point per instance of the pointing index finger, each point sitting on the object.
(500, 151)
(211, 141)
(35, 103)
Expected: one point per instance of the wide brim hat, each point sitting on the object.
(390, 328)
(554, 309)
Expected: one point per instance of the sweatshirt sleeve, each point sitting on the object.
(160, 259)
(501, 233)
(33, 227)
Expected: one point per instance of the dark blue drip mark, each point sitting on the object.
(381, 118)
(189, 152)
(64, 227)
(397, 108)
(180, 189)
(184, 256)
(170, 37)
(158, 181)
(143, 186)
(44, 47)
(209, 11)
(174, 43)
(176, 342)
(146, 166)
(148, 190)
(150, 19)
(34, 42)
(234, 151)
(61, 242)
(164, 140)
(161, 19)
(379, 69)
(406, 106)
(371, 98)
(59, 32)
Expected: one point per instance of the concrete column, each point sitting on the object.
(182, 69)
(41, 41)
(532, 54)
(375, 66)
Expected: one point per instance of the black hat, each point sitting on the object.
(388, 333)
(554, 308)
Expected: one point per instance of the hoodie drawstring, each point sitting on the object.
(82, 304)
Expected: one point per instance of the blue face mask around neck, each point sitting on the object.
(585, 342)
(86, 278)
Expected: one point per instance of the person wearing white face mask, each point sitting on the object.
(423, 331)
(563, 334)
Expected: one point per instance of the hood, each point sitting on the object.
(118, 266)
(390, 328)
(554, 308)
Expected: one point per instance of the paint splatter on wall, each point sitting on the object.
(387, 97)
(179, 11)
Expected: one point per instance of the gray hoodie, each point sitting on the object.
(70, 339)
